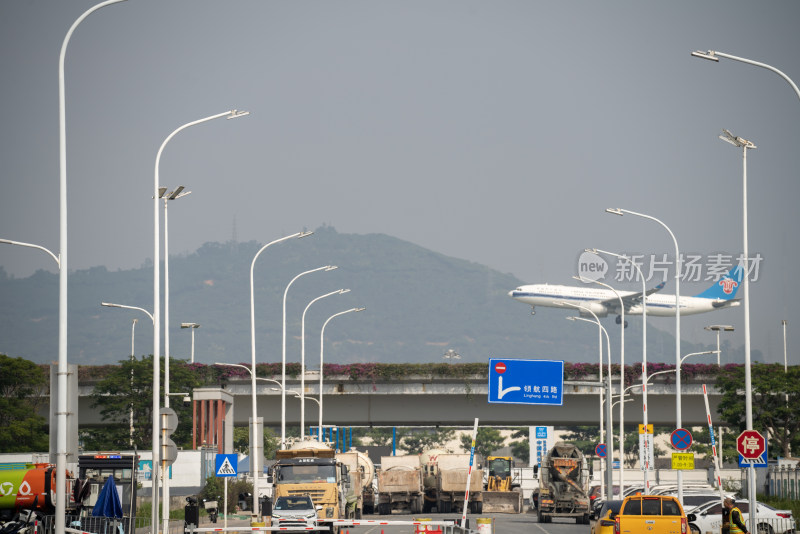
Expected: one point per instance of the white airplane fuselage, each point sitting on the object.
(603, 301)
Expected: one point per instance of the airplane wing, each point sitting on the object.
(631, 299)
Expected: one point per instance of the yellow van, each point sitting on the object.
(651, 514)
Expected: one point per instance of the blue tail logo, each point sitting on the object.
(725, 288)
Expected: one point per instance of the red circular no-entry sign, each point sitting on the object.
(751, 444)
(500, 367)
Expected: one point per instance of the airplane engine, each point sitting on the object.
(598, 309)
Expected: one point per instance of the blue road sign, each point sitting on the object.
(541, 432)
(681, 439)
(600, 450)
(225, 465)
(526, 381)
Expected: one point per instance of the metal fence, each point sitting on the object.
(784, 481)
(105, 525)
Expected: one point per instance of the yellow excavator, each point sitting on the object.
(501, 493)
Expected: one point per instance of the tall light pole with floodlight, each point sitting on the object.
(745, 145)
(172, 195)
(647, 443)
(609, 428)
(621, 378)
(719, 328)
(322, 359)
(678, 270)
(193, 327)
(283, 348)
(303, 359)
(600, 332)
(63, 366)
(254, 423)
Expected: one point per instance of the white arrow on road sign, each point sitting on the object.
(500, 391)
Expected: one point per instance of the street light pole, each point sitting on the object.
(133, 357)
(321, 360)
(133, 354)
(254, 423)
(719, 328)
(678, 269)
(172, 195)
(193, 327)
(283, 349)
(600, 330)
(157, 194)
(621, 380)
(744, 144)
(609, 428)
(303, 360)
(63, 366)
(647, 443)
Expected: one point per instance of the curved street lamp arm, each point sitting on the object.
(31, 245)
(112, 305)
(712, 55)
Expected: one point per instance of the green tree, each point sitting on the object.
(241, 441)
(701, 444)
(380, 436)
(22, 388)
(775, 400)
(129, 388)
(585, 438)
(417, 442)
(487, 441)
(521, 449)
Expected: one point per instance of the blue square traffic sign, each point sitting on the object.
(526, 381)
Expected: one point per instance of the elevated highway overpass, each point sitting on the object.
(426, 401)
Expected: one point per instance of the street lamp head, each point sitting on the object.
(331, 267)
(590, 250)
(161, 191)
(615, 211)
(190, 325)
(364, 308)
(736, 141)
(342, 291)
(719, 327)
(235, 113)
(570, 318)
(178, 193)
(710, 55)
(304, 234)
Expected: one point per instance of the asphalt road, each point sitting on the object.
(503, 524)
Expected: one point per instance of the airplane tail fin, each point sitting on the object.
(725, 288)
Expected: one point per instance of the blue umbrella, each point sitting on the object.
(108, 503)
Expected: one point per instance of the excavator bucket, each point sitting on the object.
(502, 502)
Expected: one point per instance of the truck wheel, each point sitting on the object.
(479, 507)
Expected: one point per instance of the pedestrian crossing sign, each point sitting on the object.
(226, 464)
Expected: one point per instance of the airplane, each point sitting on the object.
(604, 301)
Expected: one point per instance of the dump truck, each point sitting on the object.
(311, 468)
(445, 482)
(400, 484)
(501, 493)
(563, 485)
(362, 472)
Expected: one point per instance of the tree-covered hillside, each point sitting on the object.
(418, 305)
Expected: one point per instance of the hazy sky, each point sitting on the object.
(492, 131)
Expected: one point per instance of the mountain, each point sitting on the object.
(418, 305)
